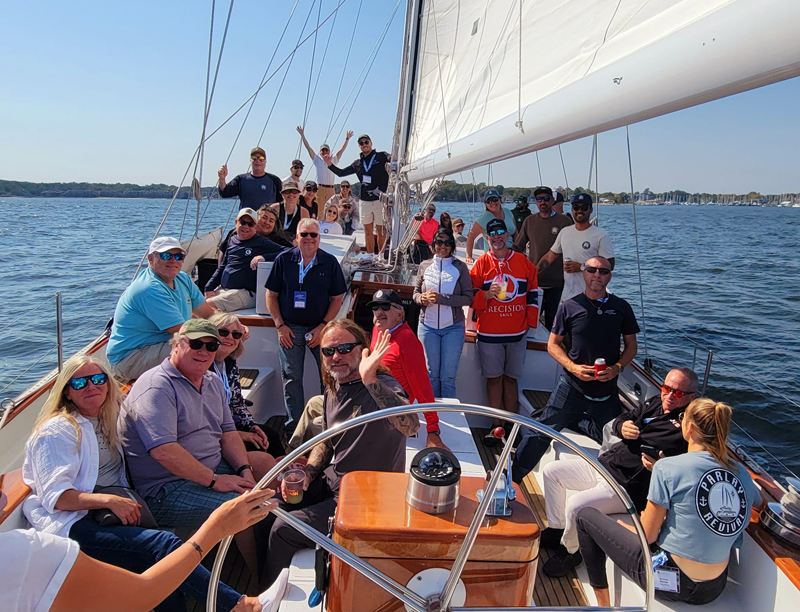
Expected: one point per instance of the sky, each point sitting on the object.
(114, 92)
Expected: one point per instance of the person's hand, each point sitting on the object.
(253, 438)
(626, 526)
(255, 261)
(368, 368)
(583, 372)
(609, 373)
(423, 298)
(223, 171)
(629, 431)
(494, 289)
(126, 510)
(316, 336)
(210, 294)
(349, 134)
(285, 335)
(245, 332)
(227, 483)
(241, 512)
(572, 266)
(432, 296)
(648, 462)
(469, 259)
(300, 130)
(262, 437)
(284, 491)
(434, 440)
(249, 478)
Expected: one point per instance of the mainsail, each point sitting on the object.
(499, 78)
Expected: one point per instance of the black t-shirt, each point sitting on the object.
(595, 330)
(323, 281)
(377, 446)
(371, 171)
(235, 272)
(254, 191)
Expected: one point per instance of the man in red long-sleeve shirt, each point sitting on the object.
(406, 357)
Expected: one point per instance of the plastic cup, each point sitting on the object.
(293, 481)
(503, 287)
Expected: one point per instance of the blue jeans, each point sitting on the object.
(136, 549)
(442, 354)
(292, 368)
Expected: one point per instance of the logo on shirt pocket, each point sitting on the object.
(587, 245)
(263, 187)
(722, 502)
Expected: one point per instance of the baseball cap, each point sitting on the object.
(385, 296)
(199, 328)
(311, 186)
(582, 198)
(491, 193)
(296, 163)
(559, 196)
(458, 221)
(258, 150)
(545, 190)
(247, 212)
(496, 224)
(162, 244)
(364, 136)
(325, 146)
(289, 185)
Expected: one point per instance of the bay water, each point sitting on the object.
(725, 279)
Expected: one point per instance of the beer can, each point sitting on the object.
(599, 365)
(309, 335)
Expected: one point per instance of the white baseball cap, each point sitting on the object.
(247, 212)
(162, 244)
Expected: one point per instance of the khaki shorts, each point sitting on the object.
(323, 195)
(140, 360)
(371, 212)
(228, 300)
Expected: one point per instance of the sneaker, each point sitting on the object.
(271, 599)
(561, 563)
(551, 538)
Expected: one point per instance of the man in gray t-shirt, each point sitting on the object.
(184, 454)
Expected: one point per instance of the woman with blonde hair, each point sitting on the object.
(330, 221)
(73, 451)
(698, 505)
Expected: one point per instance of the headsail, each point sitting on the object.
(487, 88)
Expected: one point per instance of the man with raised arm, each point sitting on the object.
(588, 327)
(355, 384)
(254, 188)
(304, 292)
(151, 309)
(325, 178)
(371, 169)
(537, 233)
(577, 243)
(405, 357)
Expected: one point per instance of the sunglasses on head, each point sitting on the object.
(376, 307)
(82, 381)
(543, 198)
(602, 271)
(498, 232)
(257, 158)
(247, 223)
(342, 349)
(492, 200)
(441, 243)
(176, 256)
(363, 142)
(211, 346)
(224, 333)
(666, 389)
(309, 234)
(581, 207)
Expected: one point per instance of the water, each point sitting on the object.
(725, 278)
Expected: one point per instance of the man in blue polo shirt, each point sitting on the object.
(254, 188)
(153, 307)
(233, 285)
(304, 292)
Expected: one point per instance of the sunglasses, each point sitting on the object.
(602, 271)
(257, 158)
(309, 234)
(345, 187)
(224, 333)
(459, 225)
(376, 307)
(314, 189)
(666, 389)
(175, 256)
(247, 223)
(441, 243)
(499, 232)
(346, 207)
(492, 200)
(297, 167)
(211, 346)
(581, 207)
(83, 381)
(331, 211)
(543, 198)
(342, 349)
(363, 142)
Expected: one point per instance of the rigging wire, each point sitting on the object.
(344, 69)
(596, 180)
(28, 313)
(519, 88)
(324, 57)
(310, 75)
(563, 167)
(636, 238)
(538, 165)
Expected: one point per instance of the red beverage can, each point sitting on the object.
(599, 365)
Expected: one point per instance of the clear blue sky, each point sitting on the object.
(113, 92)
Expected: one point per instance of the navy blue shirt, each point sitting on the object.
(323, 281)
(595, 329)
(234, 272)
(371, 171)
(254, 191)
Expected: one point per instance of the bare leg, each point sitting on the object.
(603, 598)
(369, 238)
(262, 463)
(246, 543)
(510, 394)
(494, 390)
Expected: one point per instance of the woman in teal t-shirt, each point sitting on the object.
(698, 506)
(494, 210)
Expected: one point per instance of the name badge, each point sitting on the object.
(366, 179)
(667, 579)
(300, 299)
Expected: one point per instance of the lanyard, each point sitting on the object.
(287, 219)
(367, 166)
(304, 271)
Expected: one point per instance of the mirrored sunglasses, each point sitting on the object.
(257, 158)
(82, 381)
(602, 271)
(175, 256)
(666, 389)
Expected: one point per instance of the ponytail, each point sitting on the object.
(712, 422)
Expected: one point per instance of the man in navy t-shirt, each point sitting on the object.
(585, 399)
(255, 188)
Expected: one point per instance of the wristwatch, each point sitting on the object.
(620, 366)
(438, 432)
(213, 481)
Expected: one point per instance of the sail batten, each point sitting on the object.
(630, 60)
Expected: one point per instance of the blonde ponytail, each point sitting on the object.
(712, 423)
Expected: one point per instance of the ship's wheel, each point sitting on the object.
(443, 590)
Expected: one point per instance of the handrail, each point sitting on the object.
(378, 576)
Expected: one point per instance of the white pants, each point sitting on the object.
(575, 475)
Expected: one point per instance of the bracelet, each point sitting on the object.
(196, 546)
(213, 481)
(281, 325)
(243, 468)
(620, 366)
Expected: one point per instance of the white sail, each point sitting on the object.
(487, 89)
